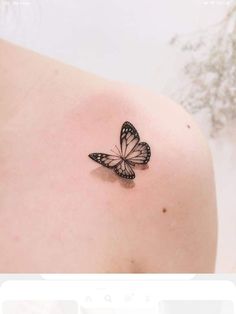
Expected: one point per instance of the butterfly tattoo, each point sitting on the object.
(131, 152)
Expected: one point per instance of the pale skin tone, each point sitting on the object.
(62, 212)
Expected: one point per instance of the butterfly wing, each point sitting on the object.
(140, 154)
(132, 150)
(109, 161)
(120, 166)
(124, 170)
(129, 138)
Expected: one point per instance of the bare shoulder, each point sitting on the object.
(170, 213)
(164, 221)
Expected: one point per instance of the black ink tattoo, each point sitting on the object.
(131, 152)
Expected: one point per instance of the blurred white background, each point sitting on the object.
(40, 307)
(129, 41)
(196, 307)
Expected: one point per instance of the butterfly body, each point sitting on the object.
(131, 152)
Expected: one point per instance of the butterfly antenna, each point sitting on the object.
(114, 152)
(118, 150)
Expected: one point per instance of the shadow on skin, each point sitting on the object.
(141, 167)
(108, 175)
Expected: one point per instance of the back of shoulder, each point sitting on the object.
(175, 196)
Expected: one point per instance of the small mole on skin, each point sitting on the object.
(16, 238)
(164, 210)
(188, 126)
(56, 72)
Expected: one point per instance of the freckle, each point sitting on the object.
(164, 210)
(16, 238)
(188, 126)
(132, 261)
(56, 72)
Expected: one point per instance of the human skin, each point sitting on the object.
(62, 212)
